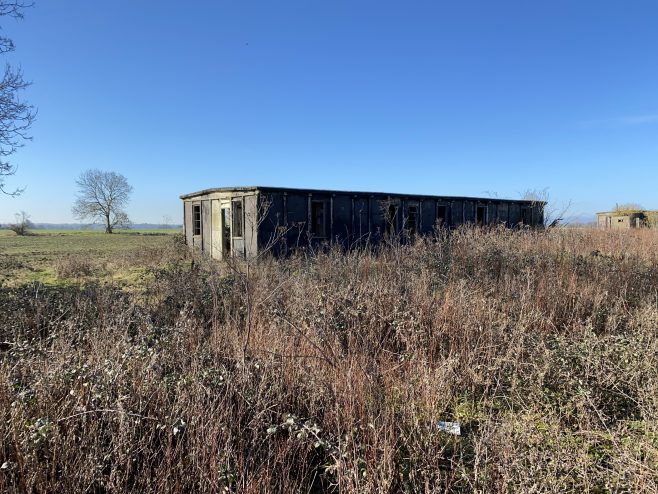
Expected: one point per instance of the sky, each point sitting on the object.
(474, 98)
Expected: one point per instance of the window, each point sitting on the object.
(412, 220)
(318, 219)
(526, 216)
(237, 218)
(481, 215)
(196, 219)
(442, 215)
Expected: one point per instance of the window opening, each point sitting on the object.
(318, 219)
(237, 218)
(412, 220)
(442, 215)
(196, 219)
(525, 216)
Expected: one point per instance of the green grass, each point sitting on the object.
(62, 256)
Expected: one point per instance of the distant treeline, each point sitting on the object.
(92, 226)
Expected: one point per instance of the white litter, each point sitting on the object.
(450, 427)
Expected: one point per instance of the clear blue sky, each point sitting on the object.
(455, 98)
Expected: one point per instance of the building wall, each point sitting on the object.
(613, 221)
(352, 219)
(617, 221)
(503, 213)
(272, 219)
(251, 221)
(206, 225)
(285, 219)
(211, 239)
(187, 221)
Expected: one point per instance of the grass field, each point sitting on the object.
(330, 371)
(65, 256)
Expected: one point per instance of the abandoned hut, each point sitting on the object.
(627, 218)
(244, 220)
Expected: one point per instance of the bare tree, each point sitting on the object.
(166, 221)
(553, 214)
(22, 225)
(16, 116)
(102, 196)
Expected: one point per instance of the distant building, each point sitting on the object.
(244, 220)
(627, 218)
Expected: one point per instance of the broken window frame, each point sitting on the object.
(196, 220)
(237, 218)
(411, 227)
(526, 215)
(445, 221)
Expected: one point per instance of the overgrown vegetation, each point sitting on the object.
(328, 372)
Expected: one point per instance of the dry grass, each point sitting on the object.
(329, 372)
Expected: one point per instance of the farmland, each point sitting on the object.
(64, 256)
(127, 365)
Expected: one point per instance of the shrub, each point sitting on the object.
(22, 225)
(328, 372)
(75, 266)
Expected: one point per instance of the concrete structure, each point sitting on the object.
(627, 218)
(245, 220)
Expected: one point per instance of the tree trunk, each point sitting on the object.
(108, 226)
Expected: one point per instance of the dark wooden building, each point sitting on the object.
(244, 220)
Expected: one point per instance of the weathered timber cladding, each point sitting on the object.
(503, 214)
(428, 215)
(469, 212)
(187, 219)
(297, 213)
(342, 218)
(514, 214)
(491, 212)
(361, 225)
(457, 208)
(272, 218)
(251, 223)
(283, 219)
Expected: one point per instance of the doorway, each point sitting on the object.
(481, 215)
(226, 232)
